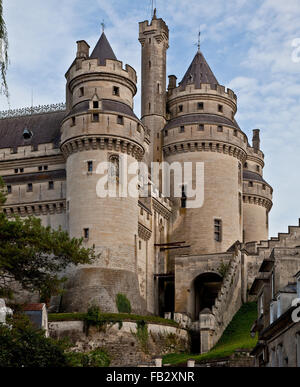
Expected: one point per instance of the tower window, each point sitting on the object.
(140, 245)
(51, 185)
(250, 184)
(116, 90)
(86, 233)
(218, 230)
(96, 104)
(90, 166)
(183, 196)
(200, 105)
(95, 117)
(180, 108)
(166, 133)
(181, 130)
(201, 128)
(149, 40)
(235, 133)
(73, 122)
(16, 170)
(257, 168)
(220, 128)
(220, 108)
(29, 187)
(246, 165)
(21, 170)
(45, 167)
(149, 64)
(264, 187)
(149, 107)
(120, 120)
(40, 168)
(81, 92)
(9, 189)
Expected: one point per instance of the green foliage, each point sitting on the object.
(224, 269)
(95, 358)
(112, 318)
(33, 255)
(142, 335)
(3, 192)
(4, 56)
(236, 336)
(123, 304)
(22, 345)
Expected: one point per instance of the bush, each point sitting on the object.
(123, 304)
(95, 358)
(22, 345)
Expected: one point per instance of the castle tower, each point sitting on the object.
(101, 127)
(257, 194)
(154, 38)
(202, 129)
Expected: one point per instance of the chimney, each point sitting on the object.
(83, 50)
(256, 140)
(172, 82)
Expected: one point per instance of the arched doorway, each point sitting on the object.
(205, 291)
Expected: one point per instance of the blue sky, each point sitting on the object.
(248, 45)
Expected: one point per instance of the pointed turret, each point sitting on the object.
(199, 72)
(103, 51)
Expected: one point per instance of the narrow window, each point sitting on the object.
(240, 174)
(166, 133)
(264, 187)
(9, 189)
(158, 88)
(114, 168)
(250, 184)
(149, 40)
(183, 196)
(220, 108)
(16, 170)
(86, 233)
(149, 107)
(235, 133)
(120, 120)
(21, 170)
(81, 92)
(180, 107)
(73, 122)
(96, 104)
(257, 168)
(261, 304)
(218, 230)
(45, 167)
(246, 165)
(149, 64)
(40, 168)
(140, 245)
(116, 90)
(29, 187)
(90, 166)
(200, 105)
(220, 128)
(95, 117)
(240, 203)
(201, 128)
(181, 130)
(51, 185)
(138, 128)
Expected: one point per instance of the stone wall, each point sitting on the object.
(124, 342)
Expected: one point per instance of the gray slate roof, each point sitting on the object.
(249, 175)
(45, 128)
(198, 72)
(103, 51)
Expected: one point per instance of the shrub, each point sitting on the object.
(123, 304)
(95, 358)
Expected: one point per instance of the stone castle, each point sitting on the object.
(192, 264)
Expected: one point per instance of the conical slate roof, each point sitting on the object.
(103, 51)
(199, 72)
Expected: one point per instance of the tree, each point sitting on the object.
(33, 255)
(3, 53)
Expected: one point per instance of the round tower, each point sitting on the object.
(257, 194)
(154, 38)
(202, 129)
(100, 127)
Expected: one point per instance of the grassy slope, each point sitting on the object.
(111, 317)
(236, 336)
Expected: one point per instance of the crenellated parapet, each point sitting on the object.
(157, 28)
(35, 209)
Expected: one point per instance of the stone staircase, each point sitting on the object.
(226, 305)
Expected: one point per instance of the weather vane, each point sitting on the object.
(103, 25)
(199, 40)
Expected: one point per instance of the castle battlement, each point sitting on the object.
(157, 27)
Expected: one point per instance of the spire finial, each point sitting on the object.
(103, 26)
(199, 40)
(154, 14)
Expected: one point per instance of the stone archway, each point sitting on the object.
(204, 291)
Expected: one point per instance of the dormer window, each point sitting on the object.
(27, 134)
(116, 90)
(95, 104)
